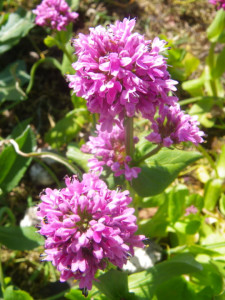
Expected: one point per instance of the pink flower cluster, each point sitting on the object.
(191, 210)
(120, 73)
(173, 126)
(55, 14)
(109, 149)
(86, 225)
(218, 3)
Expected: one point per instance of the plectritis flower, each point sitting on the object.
(174, 126)
(55, 14)
(120, 73)
(191, 210)
(109, 150)
(218, 3)
(86, 225)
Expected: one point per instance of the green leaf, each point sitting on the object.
(74, 4)
(66, 129)
(217, 26)
(161, 170)
(75, 294)
(11, 79)
(145, 283)
(195, 86)
(77, 156)
(12, 165)
(219, 67)
(188, 226)
(12, 293)
(50, 41)
(222, 204)
(114, 284)
(20, 238)
(176, 203)
(176, 288)
(17, 26)
(221, 163)
(212, 193)
(202, 109)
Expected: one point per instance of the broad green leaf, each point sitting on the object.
(212, 193)
(211, 277)
(12, 165)
(79, 157)
(12, 293)
(202, 109)
(20, 238)
(219, 67)
(65, 130)
(17, 26)
(76, 294)
(221, 163)
(114, 284)
(190, 63)
(188, 226)
(66, 62)
(217, 26)
(176, 288)
(50, 41)
(194, 86)
(147, 282)
(222, 204)
(19, 129)
(161, 170)
(154, 201)
(176, 203)
(74, 4)
(197, 249)
(11, 79)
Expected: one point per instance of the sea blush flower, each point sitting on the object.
(55, 14)
(119, 72)
(218, 3)
(86, 225)
(173, 126)
(191, 210)
(109, 150)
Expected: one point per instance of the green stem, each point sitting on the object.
(211, 62)
(1, 272)
(129, 137)
(35, 66)
(149, 154)
(62, 47)
(51, 155)
(52, 174)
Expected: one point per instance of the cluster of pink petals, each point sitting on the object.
(120, 73)
(191, 210)
(55, 14)
(86, 225)
(109, 150)
(218, 3)
(174, 126)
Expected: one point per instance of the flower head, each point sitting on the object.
(218, 3)
(55, 14)
(191, 210)
(120, 73)
(87, 225)
(173, 126)
(109, 150)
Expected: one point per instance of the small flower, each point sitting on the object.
(120, 73)
(173, 126)
(218, 3)
(55, 14)
(109, 150)
(191, 210)
(86, 225)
